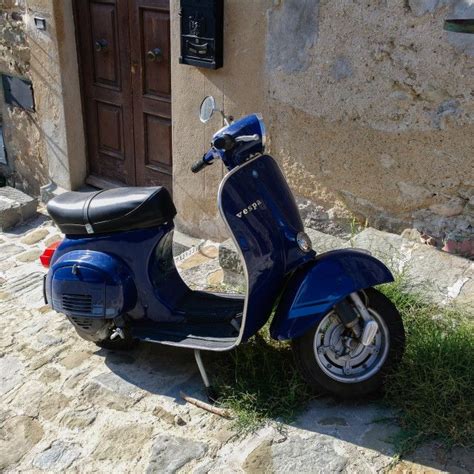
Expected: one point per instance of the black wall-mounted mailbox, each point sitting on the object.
(18, 92)
(202, 33)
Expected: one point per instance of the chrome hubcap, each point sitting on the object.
(344, 358)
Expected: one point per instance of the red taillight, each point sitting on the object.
(47, 255)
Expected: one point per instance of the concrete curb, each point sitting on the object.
(16, 207)
(443, 278)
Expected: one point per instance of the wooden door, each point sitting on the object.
(124, 49)
(150, 45)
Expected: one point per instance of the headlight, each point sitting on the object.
(304, 242)
(263, 130)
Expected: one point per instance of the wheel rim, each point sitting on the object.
(341, 357)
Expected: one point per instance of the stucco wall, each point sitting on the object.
(239, 88)
(369, 104)
(47, 145)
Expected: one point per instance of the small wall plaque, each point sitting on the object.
(18, 92)
(40, 23)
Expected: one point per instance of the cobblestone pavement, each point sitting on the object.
(67, 405)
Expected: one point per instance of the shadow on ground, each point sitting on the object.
(166, 371)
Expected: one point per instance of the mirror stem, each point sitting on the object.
(226, 120)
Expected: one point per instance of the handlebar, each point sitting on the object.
(206, 160)
(199, 165)
(225, 142)
(220, 146)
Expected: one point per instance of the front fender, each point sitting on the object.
(316, 287)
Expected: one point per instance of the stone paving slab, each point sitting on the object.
(68, 406)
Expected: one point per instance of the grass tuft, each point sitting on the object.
(259, 381)
(432, 389)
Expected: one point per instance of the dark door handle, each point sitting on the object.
(101, 45)
(155, 55)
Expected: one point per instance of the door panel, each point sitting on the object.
(124, 48)
(156, 72)
(110, 122)
(150, 20)
(104, 28)
(158, 144)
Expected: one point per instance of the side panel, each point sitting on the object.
(315, 288)
(91, 284)
(261, 213)
(142, 252)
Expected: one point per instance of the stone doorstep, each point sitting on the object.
(16, 207)
(443, 277)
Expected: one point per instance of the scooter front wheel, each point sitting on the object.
(333, 360)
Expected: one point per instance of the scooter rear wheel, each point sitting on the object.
(119, 344)
(99, 331)
(332, 361)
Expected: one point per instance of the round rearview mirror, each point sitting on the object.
(208, 108)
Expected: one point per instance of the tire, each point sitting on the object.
(325, 370)
(99, 331)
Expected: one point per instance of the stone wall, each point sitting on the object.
(369, 104)
(27, 167)
(45, 146)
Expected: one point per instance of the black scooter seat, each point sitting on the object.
(113, 210)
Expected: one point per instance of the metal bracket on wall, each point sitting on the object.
(3, 151)
(460, 25)
(18, 92)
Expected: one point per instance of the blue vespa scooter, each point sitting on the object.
(115, 279)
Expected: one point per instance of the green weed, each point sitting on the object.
(259, 381)
(432, 390)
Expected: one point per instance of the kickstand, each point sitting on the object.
(210, 392)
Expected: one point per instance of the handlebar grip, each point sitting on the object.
(199, 165)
